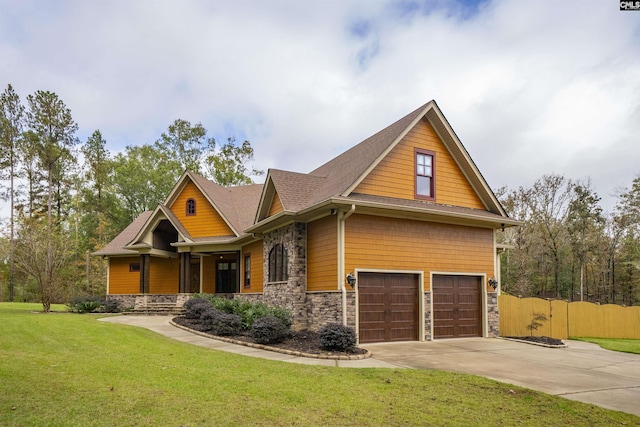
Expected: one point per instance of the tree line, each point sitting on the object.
(68, 198)
(567, 248)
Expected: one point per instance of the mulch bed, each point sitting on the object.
(304, 341)
(539, 340)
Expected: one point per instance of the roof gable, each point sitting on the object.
(394, 175)
(144, 235)
(296, 191)
(206, 220)
(345, 172)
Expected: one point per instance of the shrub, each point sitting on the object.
(269, 330)
(111, 306)
(248, 311)
(337, 337)
(85, 304)
(194, 307)
(219, 323)
(208, 317)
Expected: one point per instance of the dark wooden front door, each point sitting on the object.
(226, 276)
(387, 307)
(457, 306)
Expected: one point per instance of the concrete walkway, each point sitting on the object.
(582, 371)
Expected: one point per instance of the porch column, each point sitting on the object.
(145, 269)
(184, 282)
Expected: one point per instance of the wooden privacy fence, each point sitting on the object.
(574, 319)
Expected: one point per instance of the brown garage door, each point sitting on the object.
(387, 307)
(457, 306)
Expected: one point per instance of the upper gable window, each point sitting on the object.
(425, 174)
(191, 207)
(278, 264)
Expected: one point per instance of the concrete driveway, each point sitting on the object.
(582, 371)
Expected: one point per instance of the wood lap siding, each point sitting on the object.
(257, 268)
(322, 256)
(206, 222)
(276, 205)
(164, 273)
(396, 244)
(395, 175)
(121, 280)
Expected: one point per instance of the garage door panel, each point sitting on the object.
(443, 331)
(457, 306)
(387, 307)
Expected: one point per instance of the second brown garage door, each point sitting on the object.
(387, 307)
(457, 306)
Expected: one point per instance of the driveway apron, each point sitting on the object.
(582, 371)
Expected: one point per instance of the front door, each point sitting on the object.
(226, 276)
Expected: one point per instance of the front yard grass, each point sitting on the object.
(70, 369)
(615, 344)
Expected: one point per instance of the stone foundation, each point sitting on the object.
(326, 307)
(140, 301)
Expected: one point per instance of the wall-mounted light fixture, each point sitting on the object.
(351, 280)
(493, 283)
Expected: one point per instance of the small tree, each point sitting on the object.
(43, 255)
(537, 320)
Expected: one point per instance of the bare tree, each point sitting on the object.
(42, 254)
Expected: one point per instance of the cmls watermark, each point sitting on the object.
(629, 5)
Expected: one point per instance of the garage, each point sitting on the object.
(457, 306)
(388, 307)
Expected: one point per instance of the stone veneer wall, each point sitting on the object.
(138, 301)
(493, 316)
(427, 316)
(326, 307)
(292, 293)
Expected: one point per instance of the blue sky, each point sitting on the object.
(530, 87)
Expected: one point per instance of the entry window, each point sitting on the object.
(191, 207)
(278, 263)
(425, 174)
(134, 267)
(247, 271)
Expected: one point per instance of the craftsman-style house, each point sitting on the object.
(395, 237)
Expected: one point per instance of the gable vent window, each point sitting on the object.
(425, 175)
(191, 207)
(278, 263)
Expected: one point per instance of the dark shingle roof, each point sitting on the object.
(115, 247)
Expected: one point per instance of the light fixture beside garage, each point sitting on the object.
(493, 282)
(351, 280)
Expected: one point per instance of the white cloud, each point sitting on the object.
(530, 87)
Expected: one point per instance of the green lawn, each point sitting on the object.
(615, 344)
(70, 369)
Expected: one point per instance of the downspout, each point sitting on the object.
(342, 217)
